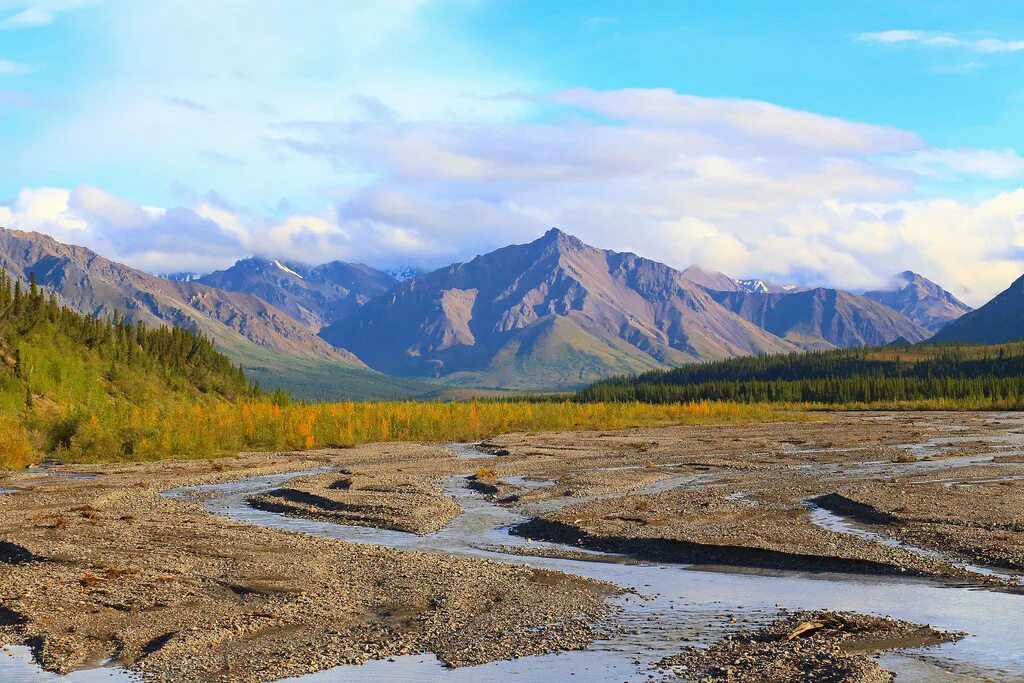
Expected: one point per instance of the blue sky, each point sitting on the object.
(823, 143)
(797, 54)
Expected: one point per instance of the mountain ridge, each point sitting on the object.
(479, 317)
(314, 295)
(95, 285)
(921, 300)
(824, 318)
(1000, 320)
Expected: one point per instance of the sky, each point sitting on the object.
(813, 143)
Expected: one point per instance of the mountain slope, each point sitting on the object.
(823, 318)
(711, 280)
(273, 347)
(94, 285)
(71, 379)
(921, 300)
(1000, 320)
(554, 313)
(714, 281)
(315, 296)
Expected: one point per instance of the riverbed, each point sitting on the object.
(667, 605)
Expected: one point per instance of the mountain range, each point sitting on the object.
(823, 318)
(720, 282)
(551, 314)
(554, 313)
(914, 296)
(97, 286)
(315, 296)
(274, 347)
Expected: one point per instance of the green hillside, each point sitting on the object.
(969, 375)
(556, 354)
(64, 375)
(317, 379)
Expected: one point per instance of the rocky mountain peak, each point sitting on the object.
(562, 240)
(554, 312)
(921, 300)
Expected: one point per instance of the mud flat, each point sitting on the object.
(632, 546)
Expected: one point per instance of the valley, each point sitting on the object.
(552, 315)
(500, 341)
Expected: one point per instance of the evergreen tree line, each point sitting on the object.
(963, 373)
(176, 353)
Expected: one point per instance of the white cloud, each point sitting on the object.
(46, 210)
(975, 249)
(986, 45)
(962, 68)
(985, 163)
(737, 119)
(741, 186)
(105, 209)
(185, 91)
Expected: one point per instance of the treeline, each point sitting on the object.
(182, 356)
(73, 385)
(973, 375)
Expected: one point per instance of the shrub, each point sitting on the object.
(16, 448)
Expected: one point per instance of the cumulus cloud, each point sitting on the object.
(742, 186)
(985, 163)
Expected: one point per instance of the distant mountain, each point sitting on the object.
(714, 281)
(402, 273)
(1000, 320)
(766, 287)
(823, 318)
(313, 295)
(554, 313)
(97, 286)
(711, 280)
(921, 300)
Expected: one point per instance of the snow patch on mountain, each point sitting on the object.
(402, 273)
(286, 269)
